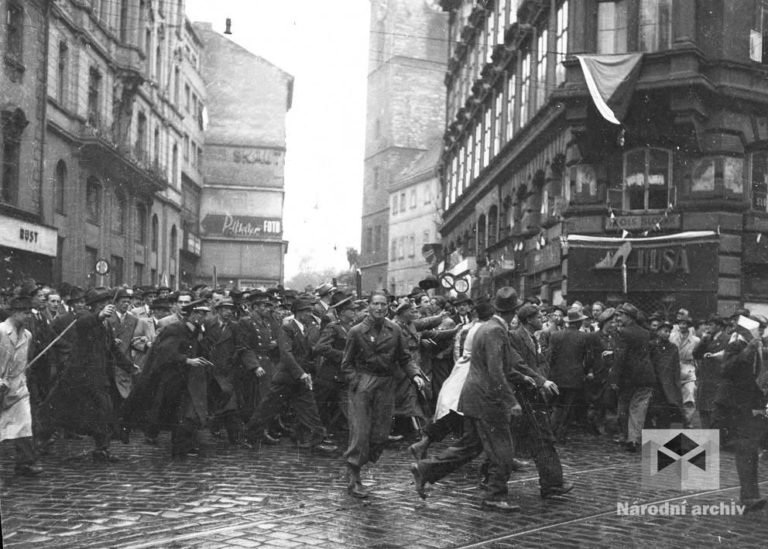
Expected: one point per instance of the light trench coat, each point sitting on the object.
(15, 412)
(448, 399)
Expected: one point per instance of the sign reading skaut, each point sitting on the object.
(244, 227)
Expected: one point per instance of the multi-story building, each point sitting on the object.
(28, 244)
(413, 221)
(405, 110)
(242, 198)
(547, 192)
(193, 104)
(115, 127)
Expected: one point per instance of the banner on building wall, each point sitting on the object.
(243, 227)
(681, 262)
(611, 81)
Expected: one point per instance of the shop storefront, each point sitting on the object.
(657, 274)
(27, 250)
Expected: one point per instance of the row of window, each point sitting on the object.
(406, 245)
(400, 202)
(117, 270)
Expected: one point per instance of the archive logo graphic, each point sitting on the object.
(684, 459)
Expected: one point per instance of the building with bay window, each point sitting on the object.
(609, 150)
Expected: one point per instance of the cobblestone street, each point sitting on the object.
(281, 497)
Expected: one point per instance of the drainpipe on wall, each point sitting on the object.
(44, 113)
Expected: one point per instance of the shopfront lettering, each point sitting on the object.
(662, 260)
(256, 156)
(235, 226)
(28, 235)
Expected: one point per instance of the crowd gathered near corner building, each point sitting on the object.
(343, 376)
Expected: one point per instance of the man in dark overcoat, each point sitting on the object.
(171, 393)
(709, 354)
(744, 397)
(666, 403)
(81, 401)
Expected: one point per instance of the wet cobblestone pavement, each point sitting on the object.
(282, 497)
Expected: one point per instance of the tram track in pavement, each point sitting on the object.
(251, 524)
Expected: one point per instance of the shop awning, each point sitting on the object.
(611, 81)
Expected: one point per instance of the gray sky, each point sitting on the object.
(324, 45)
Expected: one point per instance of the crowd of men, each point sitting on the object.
(508, 378)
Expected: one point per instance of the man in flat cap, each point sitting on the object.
(122, 325)
(322, 309)
(633, 375)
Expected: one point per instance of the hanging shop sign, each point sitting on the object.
(29, 237)
(546, 258)
(643, 222)
(684, 262)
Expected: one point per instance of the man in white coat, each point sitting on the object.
(15, 411)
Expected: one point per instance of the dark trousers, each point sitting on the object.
(436, 431)
(371, 405)
(183, 438)
(493, 437)
(301, 399)
(748, 432)
(332, 400)
(536, 435)
(25, 451)
(565, 410)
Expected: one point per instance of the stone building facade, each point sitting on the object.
(242, 198)
(28, 244)
(543, 191)
(413, 221)
(115, 128)
(405, 110)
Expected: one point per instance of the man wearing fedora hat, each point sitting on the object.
(15, 410)
(463, 305)
(569, 350)
(322, 309)
(123, 325)
(486, 400)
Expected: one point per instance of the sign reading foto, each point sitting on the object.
(240, 226)
(684, 459)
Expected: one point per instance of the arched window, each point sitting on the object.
(60, 183)
(155, 233)
(493, 225)
(481, 234)
(173, 243)
(120, 205)
(141, 224)
(93, 201)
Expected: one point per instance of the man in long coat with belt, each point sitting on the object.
(15, 411)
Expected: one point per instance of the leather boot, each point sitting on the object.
(355, 486)
(419, 449)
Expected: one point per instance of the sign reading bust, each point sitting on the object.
(241, 227)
